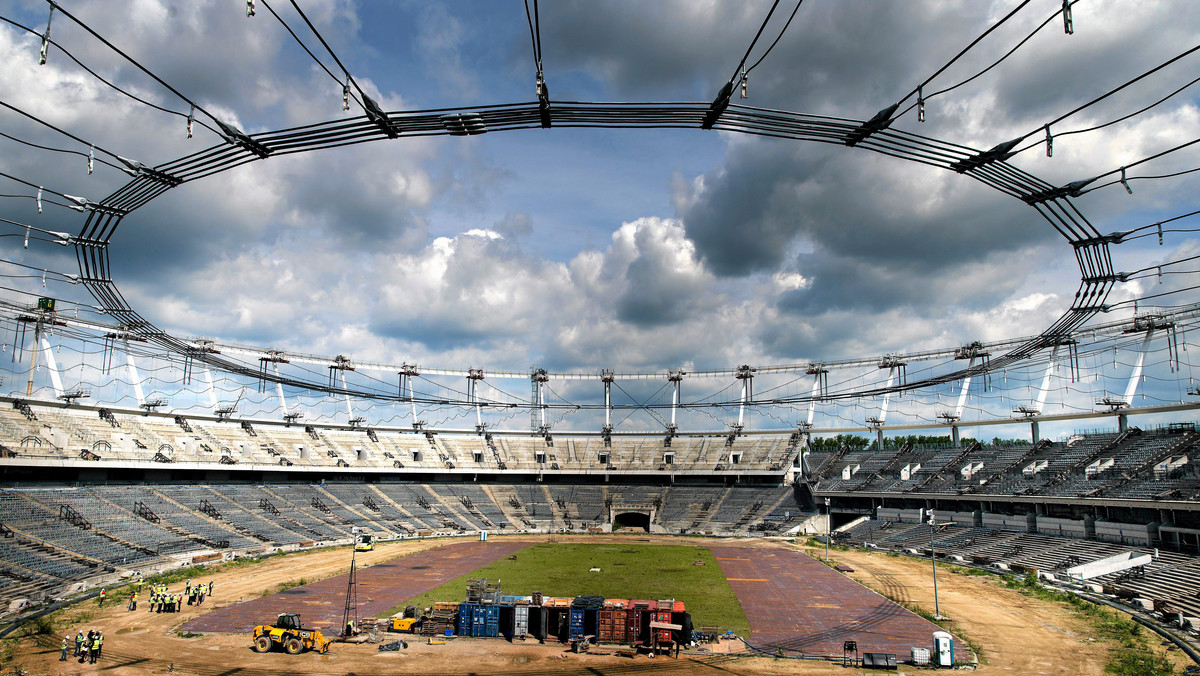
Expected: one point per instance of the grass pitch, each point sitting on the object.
(631, 571)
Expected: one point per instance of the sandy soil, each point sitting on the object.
(1020, 635)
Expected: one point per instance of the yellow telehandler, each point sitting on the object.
(289, 635)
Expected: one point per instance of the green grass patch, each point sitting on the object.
(629, 571)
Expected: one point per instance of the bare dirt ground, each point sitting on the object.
(1020, 635)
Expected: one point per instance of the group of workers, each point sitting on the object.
(164, 601)
(87, 648)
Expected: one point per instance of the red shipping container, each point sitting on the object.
(663, 614)
(635, 619)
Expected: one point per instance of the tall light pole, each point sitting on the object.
(828, 528)
(937, 613)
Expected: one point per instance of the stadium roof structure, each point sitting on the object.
(121, 325)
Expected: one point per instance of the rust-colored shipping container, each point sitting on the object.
(613, 621)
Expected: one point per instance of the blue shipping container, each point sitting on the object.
(492, 626)
(466, 612)
(576, 624)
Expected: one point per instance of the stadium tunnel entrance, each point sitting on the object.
(632, 520)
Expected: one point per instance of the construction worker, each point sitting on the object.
(210, 587)
(103, 595)
(78, 642)
(99, 644)
(65, 642)
(133, 600)
(94, 653)
(187, 587)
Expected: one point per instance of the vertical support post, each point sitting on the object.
(134, 377)
(962, 394)
(1040, 405)
(407, 372)
(746, 375)
(51, 366)
(1034, 433)
(212, 390)
(279, 390)
(346, 394)
(606, 376)
(538, 379)
(675, 377)
(937, 611)
(812, 401)
(1131, 388)
(954, 435)
(828, 527)
(37, 337)
(473, 378)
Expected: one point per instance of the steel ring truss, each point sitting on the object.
(988, 167)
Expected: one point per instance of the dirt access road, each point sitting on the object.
(1020, 635)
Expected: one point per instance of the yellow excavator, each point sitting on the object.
(288, 634)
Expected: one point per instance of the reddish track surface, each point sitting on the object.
(800, 604)
(380, 587)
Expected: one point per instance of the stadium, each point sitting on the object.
(799, 355)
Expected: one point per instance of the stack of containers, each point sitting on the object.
(635, 619)
(663, 614)
(613, 621)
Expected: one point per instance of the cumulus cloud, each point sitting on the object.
(757, 250)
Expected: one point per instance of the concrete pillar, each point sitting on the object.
(1122, 422)
(954, 435)
(879, 437)
(1034, 432)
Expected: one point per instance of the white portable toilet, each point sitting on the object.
(483, 536)
(943, 649)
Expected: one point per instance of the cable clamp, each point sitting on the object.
(46, 38)
(346, 94)
(745, 82)
(1125, 182)
(191, 120)
(1068, 23)
(921, 104)
(1049, 142)
(249, 8)
(1159, 224)
(39, 199)
(91, 159)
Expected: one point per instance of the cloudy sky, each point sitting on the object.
(589, 249)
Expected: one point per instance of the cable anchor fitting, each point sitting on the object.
(1068, 22)
(1125, 182)
(744, 83)
(346, 94)
(46, 38)
(191, 120)
(1049, 142)
(39, 199)
(920, 104)
(1159, 233)
(249, 8)
(91, 159)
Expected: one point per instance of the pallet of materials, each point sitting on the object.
(443, 616)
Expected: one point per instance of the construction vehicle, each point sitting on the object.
(408, 625)
(288, 634)
(364, 542)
